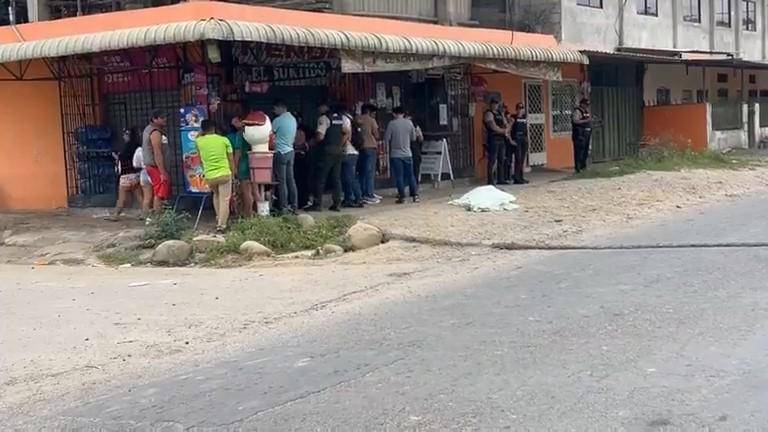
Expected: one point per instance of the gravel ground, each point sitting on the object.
(574, 211)
(68, 331)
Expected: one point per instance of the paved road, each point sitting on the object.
(633, 339)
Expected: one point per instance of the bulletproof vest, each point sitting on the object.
(498, 118)
(584, 127)
(333, 142)
(520, 127)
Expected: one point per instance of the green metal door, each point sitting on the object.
(618, 126)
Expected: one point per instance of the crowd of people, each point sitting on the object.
(341, 153)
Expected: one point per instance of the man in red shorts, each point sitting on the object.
(157, 156)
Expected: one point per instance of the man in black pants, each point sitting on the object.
(581, 135)
(333, 131)
(495, 136)
(520, 140)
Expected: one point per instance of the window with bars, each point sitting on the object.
(590, 3)
(564, 96)
(648, 7)
(692, 11)
(723, 13)
(749, 15)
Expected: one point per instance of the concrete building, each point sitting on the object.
(448, 12)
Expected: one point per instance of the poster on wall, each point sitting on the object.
(191, 118)
(137, 70)
(381, 95)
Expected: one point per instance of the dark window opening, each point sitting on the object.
(590, 3)
(648, 7)
(749, 14)
(692, 11)
(663, 96)
(723, 13)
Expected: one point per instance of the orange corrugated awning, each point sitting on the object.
(189, 22)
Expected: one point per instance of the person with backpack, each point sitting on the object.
(416, 148)
(334, 129)
(353, 196)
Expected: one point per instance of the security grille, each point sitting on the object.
(564, 96)
(536, 123)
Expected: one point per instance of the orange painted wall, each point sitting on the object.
(559, 148)
(685, 125)
(32, 173)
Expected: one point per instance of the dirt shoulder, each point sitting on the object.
(70, 332)
(574, 210)
(67, 332)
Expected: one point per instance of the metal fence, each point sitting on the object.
(727, 115)
(98, 101)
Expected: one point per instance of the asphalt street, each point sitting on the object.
(648, 339)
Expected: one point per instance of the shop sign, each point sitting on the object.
(545, 71)
(436, 160)
(356, 62)
(258, 54)
(132, 70)
(286, 72)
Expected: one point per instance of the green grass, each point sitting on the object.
(284, 234)
(168, 225)
(664, 159)
(119, 257)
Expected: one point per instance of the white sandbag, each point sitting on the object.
(486, 199)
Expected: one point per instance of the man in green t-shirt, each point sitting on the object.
(218, 163)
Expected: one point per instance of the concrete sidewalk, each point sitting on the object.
(446, 192)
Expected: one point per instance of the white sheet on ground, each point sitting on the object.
(486, 199)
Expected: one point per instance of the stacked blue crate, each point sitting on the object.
(95, 163)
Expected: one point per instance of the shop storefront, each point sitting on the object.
(106, 93)
(216, 68)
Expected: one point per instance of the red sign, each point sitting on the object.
(138, 70)
(257, 54)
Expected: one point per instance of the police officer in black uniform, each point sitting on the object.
(333, 130)
(581, 134)
(496, 135)
(520, 141)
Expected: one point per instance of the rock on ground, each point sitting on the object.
(363, 236)
(204, 243)
(173, 252)
(331, 250)
(306, 221)
(253, 249)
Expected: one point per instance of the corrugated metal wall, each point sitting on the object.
(618, 112)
